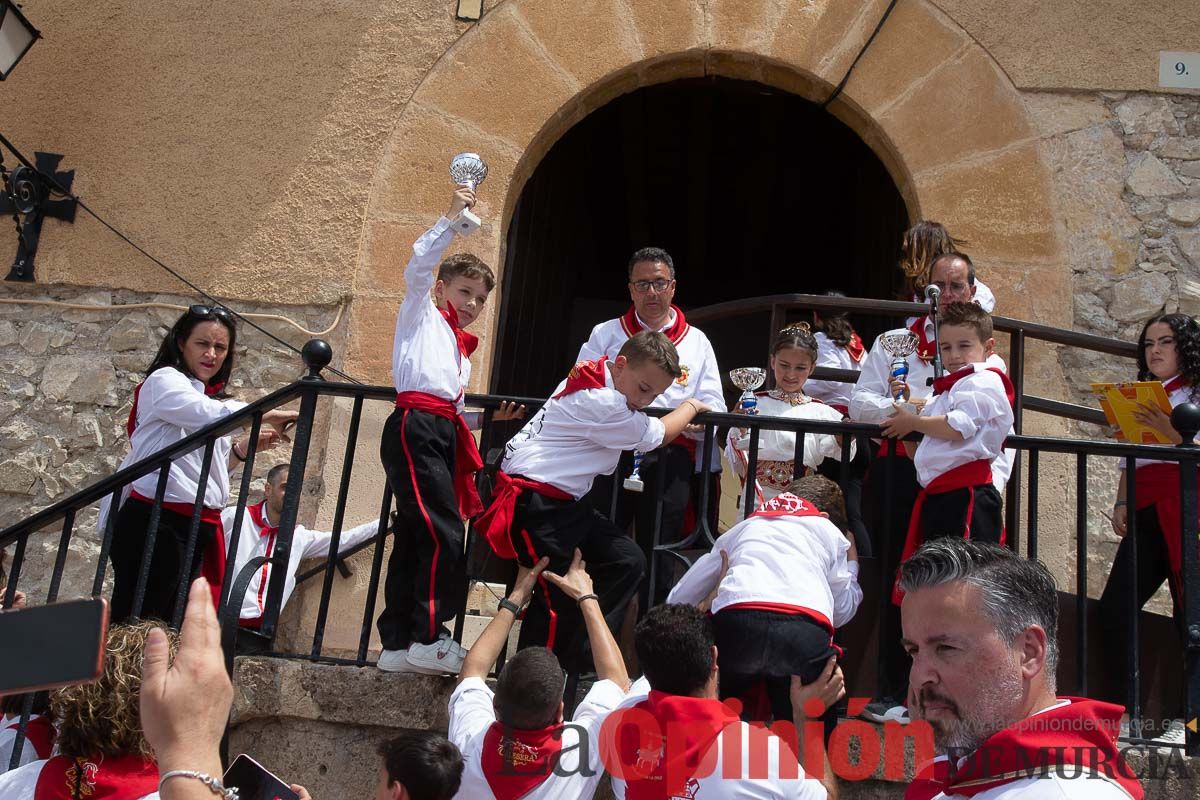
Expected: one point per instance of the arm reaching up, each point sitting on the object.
(487, 647)
(577, 585)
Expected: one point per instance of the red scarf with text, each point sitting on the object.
(39, 733)
(788, 505)
(467, 342)
(675, 331)
(467, 460)
(131, 423)
(1081, 735)
(691, 725)
(126, 777)
(515, 762)
(926, 349)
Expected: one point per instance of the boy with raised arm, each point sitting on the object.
(539, 508)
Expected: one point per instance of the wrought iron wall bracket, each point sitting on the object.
(27, 197)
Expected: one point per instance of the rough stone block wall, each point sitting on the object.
(1126, 172)
(67, 378)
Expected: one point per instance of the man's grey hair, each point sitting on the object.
(1017, 592)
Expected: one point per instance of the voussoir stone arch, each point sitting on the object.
(926, 97)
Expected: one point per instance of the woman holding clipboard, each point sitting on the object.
(1169, 352)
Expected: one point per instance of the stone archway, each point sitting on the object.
(949, 126)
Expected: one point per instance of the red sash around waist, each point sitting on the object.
(467, 460)
(212, 565)
(1158, 485)
(496, 522)
(964, 476)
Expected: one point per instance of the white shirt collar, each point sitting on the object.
(670, 321)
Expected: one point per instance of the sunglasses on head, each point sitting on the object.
(217, 312)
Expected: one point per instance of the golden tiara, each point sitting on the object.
(797, 327)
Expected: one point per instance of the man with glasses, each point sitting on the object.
(651, 274)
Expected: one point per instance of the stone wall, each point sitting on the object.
(67, 377)
(1126, 173)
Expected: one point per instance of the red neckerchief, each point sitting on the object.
(788, 505)
(585, 375)
(258, 513)
(467, 342)
(1082, 729)
(39, 732)
(1178, 382)
(496, 522)
(467, 460)
(131, 423)
(126, 777)
(856, 348)
(944, 383)
(675, 331)
(515, 761)
(925, 347)
(691, 726)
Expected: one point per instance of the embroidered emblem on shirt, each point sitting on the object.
(521, 754)
(682, 380)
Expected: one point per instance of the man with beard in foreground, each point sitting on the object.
(981, 625)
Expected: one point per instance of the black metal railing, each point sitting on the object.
(699, 539)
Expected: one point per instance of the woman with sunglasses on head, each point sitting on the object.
(183, 392)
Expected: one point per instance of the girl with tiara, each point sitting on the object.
(793, 357)
(1168, 352)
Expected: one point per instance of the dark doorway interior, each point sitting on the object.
(752, 190)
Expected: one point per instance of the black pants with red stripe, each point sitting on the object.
(544, 527)
(426, 577)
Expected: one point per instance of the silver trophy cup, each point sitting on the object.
(634, 482)
(748, 379)
(469, 170)
(900, 344)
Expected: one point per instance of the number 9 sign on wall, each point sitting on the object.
(1178, 70)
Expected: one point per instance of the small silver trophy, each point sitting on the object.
(900, 344)
(748, 379)
(634, 482)
(469, 170)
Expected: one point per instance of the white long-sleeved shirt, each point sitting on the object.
(170, 407)
(833, 355)
(19, 784)
(305, 544)
(425, 355)
(574, 438)
(777, 449)
(791, 560)
(472, 714)
(701, 379)
(977, 407)
(722, 781)
(871, 401)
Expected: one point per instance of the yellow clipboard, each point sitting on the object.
(1120, 400)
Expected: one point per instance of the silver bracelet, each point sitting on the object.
(214, 785)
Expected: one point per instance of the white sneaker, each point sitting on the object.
(1174, 734)
(443, 657)
(393, 661)
(895, 714)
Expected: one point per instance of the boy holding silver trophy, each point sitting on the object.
(427, 449)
